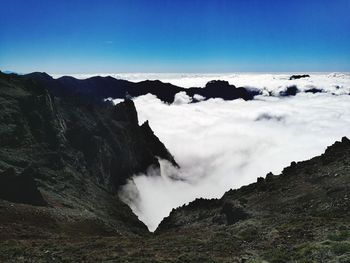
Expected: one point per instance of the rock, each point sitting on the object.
(345, 140)
(222, 89)
(155, 145)
(298, 76)
(233, 213)
(289, 91)
(314, 90)
(269, 177)
(20, 188)
(218, 84)
(260, 180)
(125, 112)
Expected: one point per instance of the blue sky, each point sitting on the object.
(79, 36)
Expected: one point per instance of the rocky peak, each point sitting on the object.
(299, 76)
(125, 111)
(219, 84)
(42, 76)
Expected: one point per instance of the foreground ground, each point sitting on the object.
(301, 215)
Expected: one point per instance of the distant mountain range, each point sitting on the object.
(104, 87)
(98, 88)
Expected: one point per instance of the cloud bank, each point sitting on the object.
(226, 144)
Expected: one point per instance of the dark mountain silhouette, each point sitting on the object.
(299, 76)
(222, 89)
(100, 88)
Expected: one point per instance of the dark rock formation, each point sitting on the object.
(233, 213)
(298, 76)
(99, 88)
(289, 91)
(313, 90)
(71, 152)
(20, 188)
(222, 89)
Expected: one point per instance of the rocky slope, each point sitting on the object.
(62, 159)
(301, 215)
(67, 157)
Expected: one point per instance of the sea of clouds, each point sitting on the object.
(221, 145)
(337, 83)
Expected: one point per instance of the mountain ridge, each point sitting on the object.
(70, 154)
(104, 87)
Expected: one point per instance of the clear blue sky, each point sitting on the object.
(76, 36)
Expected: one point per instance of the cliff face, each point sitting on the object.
(70, 154)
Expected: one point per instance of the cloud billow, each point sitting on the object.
(226, 144)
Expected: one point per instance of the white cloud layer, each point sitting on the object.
(226, 144)
(182, 98)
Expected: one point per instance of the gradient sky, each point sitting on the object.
(87, 36)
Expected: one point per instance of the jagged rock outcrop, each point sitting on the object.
(289, 91)
(313, 90)
(222, 89)
(20, 188)
(299, 76)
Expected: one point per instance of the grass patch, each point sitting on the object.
(339, 235)
(277, 256)
(324, 251)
